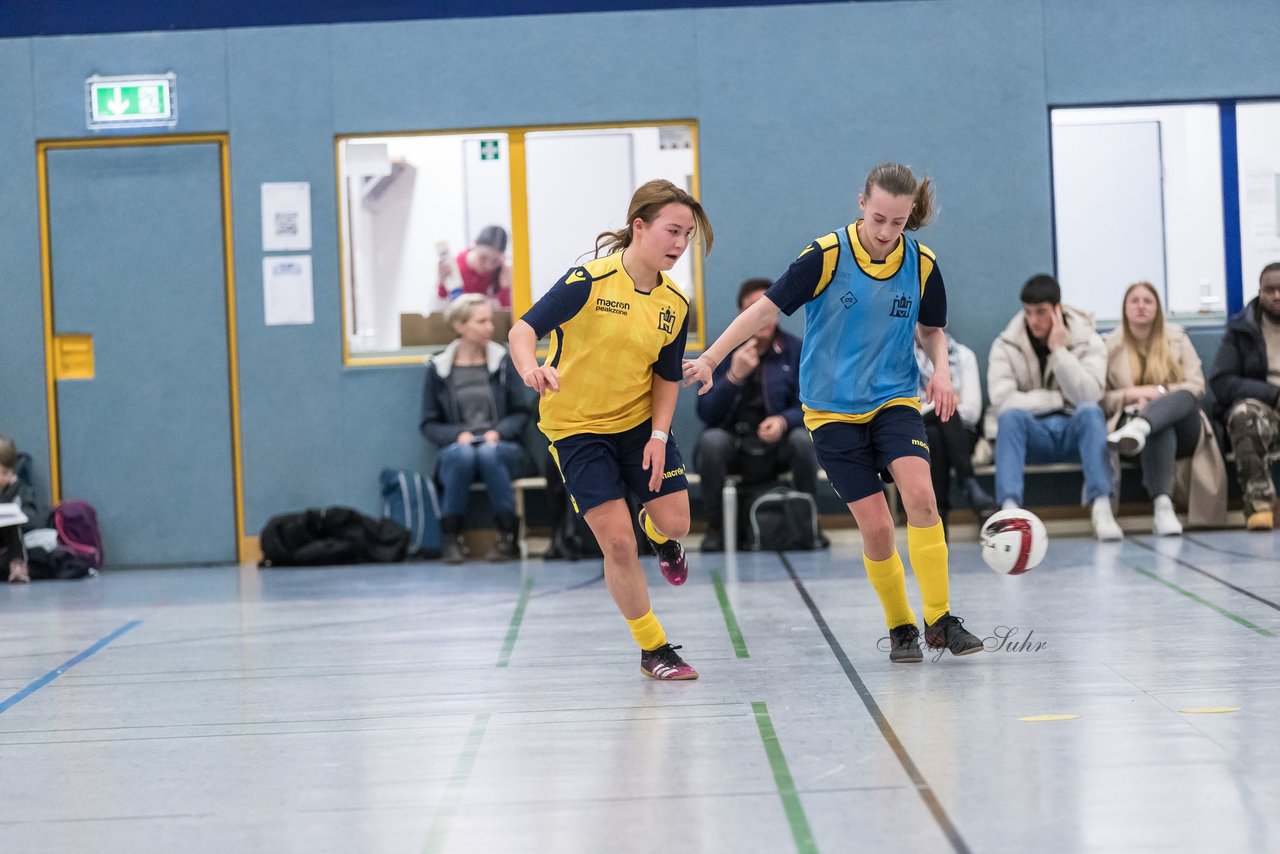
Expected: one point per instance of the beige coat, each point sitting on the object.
(1200, 482)
(1075, 373)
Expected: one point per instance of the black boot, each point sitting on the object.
(979, 499)
(452, 547)
(505, 545)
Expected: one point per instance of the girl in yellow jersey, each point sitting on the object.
(609, 386)
(868, 291)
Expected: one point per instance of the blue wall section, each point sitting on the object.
(795, 104)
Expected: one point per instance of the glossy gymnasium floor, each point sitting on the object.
(1126, 705)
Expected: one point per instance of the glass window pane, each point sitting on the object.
(580, 183)
(1258, 149)
(414, 209)
(1138, 196)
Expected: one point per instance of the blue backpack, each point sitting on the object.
(410, 499)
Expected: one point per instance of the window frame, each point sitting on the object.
(521, 284)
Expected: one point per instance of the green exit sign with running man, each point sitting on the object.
(131, 101)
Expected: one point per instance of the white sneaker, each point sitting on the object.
(1165, 522)
(1130, 438)
(1104, 524)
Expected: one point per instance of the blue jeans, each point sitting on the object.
(458, 465)
(1080, 437)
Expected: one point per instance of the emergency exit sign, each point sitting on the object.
(131, 101)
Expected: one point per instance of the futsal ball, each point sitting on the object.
(1013, 541)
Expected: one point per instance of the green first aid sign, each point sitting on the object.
(488, 149)
(131, 101)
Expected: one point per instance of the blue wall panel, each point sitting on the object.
(1100, 51)
(23, 407)
(62, 64)
(795, 104)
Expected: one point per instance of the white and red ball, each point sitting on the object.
(1013, 541)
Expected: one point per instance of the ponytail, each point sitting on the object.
(647, 201)
(897, 180)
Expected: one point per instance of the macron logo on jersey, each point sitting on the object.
(613, 306)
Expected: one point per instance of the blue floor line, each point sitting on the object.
(64, 667)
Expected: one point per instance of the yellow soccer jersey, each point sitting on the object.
(608, 339)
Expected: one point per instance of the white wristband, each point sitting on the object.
(659, 435)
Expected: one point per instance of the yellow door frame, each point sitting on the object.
(245, 547)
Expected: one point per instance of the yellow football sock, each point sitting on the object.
(652, 533)
(647, 631)
(890, 582)
(927, 548)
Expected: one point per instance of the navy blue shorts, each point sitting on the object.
(856, 457)
(599, 467)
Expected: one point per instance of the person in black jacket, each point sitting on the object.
(13, 556)
(1246, 388)
(475, 409)
(755, 424)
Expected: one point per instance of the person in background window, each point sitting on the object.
(755, 424)
(951, 442)
(481, 269)
(609, 385)
(475, 410)
(1246, 389)
(1154, 388)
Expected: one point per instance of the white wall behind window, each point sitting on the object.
(580, 184)
(1258, 147)
(1192, 194)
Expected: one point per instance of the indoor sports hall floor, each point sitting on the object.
(420, 708)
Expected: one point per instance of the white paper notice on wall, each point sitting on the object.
(286, 290)
(286, 217)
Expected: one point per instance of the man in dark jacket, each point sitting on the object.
(1246, 389)
(755, 426)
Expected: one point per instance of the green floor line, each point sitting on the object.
(438, 835)
(514, 629)
(730, 621)
(1223, 611)
(800, 831)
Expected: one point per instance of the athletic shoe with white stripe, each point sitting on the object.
(665, 663)
(671, 557)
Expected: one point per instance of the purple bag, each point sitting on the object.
(77, 526)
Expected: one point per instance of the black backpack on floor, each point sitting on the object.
(332, 536)
(782, 519)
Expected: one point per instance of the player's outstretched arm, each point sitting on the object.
(522, 343)
(699, 370)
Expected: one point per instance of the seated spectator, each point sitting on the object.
(479, 269)
(1152, 404)
(951, 442)
(1045, 377)
(1246, 388)
(475, 409)
(755, 425)
(13, 556)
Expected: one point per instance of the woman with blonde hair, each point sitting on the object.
(609, 387)
(1152, 403)
(475, 410)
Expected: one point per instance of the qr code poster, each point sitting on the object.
(286, 217)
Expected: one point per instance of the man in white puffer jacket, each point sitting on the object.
(1045, 378)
